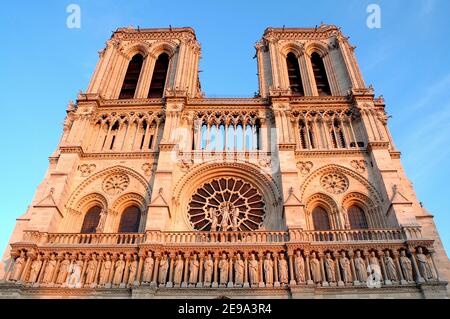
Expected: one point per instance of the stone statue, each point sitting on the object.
(49, 270)
(406, 265)
(423, 265)
(391, 271)
(178, 276)
(91, 270)
(163, 267)
(268, 270)
(346, 268)
(148, 268)
(225, 217)
(63, 270)
(315, 268)
(209, 267)
(253, 270)
(239, 271)
(118, 270)
(133, 271)
(374, 266)
(330, 269)
(283, 269)
(223, 267)
(35, 268)
(19, 263)
(105, 271)
(235, 220)
(194, 266)
(360, 267)
(299, 266)
(213, 216)
(75, 272)
(101, 222)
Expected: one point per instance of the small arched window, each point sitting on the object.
(129, 222)
(131, 77)
(295, 78)
(91, 220)
(320, 219)
(159, 76)
(356, 217)
(320, 75)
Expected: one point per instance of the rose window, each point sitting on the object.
(334, 183)
(226, 204)
(116, 183)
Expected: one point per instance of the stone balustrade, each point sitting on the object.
(232, 237)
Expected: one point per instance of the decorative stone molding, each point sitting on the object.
(305, 167)
(116, 183)
(359, 165)
(86, 169)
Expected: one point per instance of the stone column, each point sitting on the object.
(186, 268)
(260, 263)
(292, 281)
(172, 261)
(215, 284)
(86, 259)
(246, 283)
(322, 270)
(431, 251)
(276, 282)
(8, 269)
(230, 272)
(111, 271)
(200, 275)
(307, 269)
(383, 267)
(139, 270)
(97, 271)
(58, 262)
(419, 278)
(41, 272)
(155, 270)
(24, 273)
(126, 271)
(398, 267)
(338, 269)
(351, 255)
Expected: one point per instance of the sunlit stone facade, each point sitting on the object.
(156, 191)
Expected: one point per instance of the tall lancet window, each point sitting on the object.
(320, 75)
(131, 77)
(295, 79)
(130, 219)
(159, 76)
(91, 220)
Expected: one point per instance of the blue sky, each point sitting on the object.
(44, 64)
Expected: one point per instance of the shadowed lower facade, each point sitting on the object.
(156, 191)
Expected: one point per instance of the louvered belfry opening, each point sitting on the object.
(130, 219)
(320, 219)
(131, 77)
(91, 220)
(356, 217)
(295, 79)
(159, 76)
(320, 75)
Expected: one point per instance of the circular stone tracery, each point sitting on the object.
(224, 196)
(116, 183)
(334, 183)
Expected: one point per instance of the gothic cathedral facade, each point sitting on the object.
(156, 191)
